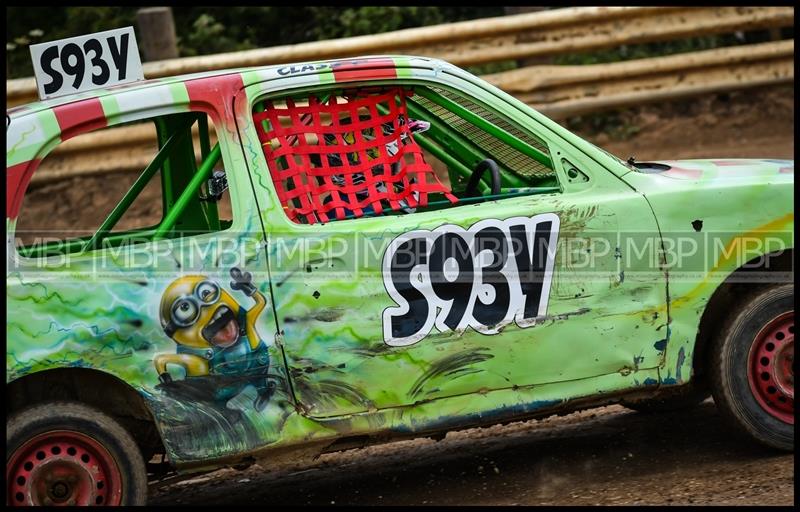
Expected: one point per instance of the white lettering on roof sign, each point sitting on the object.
(83, 63)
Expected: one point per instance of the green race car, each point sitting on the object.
(406, 250)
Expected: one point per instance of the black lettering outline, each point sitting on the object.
(540, 245)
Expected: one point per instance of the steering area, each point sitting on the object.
(477, 174)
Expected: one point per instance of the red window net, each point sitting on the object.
(341, 156)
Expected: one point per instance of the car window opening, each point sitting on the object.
(194, 197)
(326, 167)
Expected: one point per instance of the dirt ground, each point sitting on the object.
(605, 456)
(608, 455)
(744, 124)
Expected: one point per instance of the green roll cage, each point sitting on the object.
(186, 213)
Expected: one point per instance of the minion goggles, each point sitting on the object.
(185, 310)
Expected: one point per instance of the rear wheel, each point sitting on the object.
(752, 368)
(67, 453)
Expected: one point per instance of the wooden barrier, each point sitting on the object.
(562, 91)
(558, 31)
(556, 91)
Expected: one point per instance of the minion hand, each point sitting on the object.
(243, 281)
(165, 378)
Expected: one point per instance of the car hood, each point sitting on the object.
(677, 175)
(719, 196)
(706, 170)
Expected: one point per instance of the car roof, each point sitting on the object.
(398, 62)
(37, 106)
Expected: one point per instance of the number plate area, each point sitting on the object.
(84, 63)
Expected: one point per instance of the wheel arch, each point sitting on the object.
(96, 388)
(727, 294)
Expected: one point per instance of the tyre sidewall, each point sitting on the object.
(736, 389)
(33, 421)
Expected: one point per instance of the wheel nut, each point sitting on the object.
(60, 490)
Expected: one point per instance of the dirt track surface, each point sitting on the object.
(602, 456)
(744, 124)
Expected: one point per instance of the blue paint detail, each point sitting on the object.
(681, 359)
(660, 345)
(669, 380)
(649, 381)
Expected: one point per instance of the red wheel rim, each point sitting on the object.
(771, 367)
(63, 468)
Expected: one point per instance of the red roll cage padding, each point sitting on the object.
(337, 156)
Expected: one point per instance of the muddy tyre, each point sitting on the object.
(68, 453)
(751, 367)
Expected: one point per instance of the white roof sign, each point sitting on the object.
(83, 63)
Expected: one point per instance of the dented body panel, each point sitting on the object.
(727, 213)
(612, 320)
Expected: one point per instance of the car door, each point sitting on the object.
(167, 289)
(386, 311)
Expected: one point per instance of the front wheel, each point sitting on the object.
(67, 453)
(752, 368)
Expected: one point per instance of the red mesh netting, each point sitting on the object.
(344, 156)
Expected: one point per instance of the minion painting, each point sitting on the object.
(216, 338)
